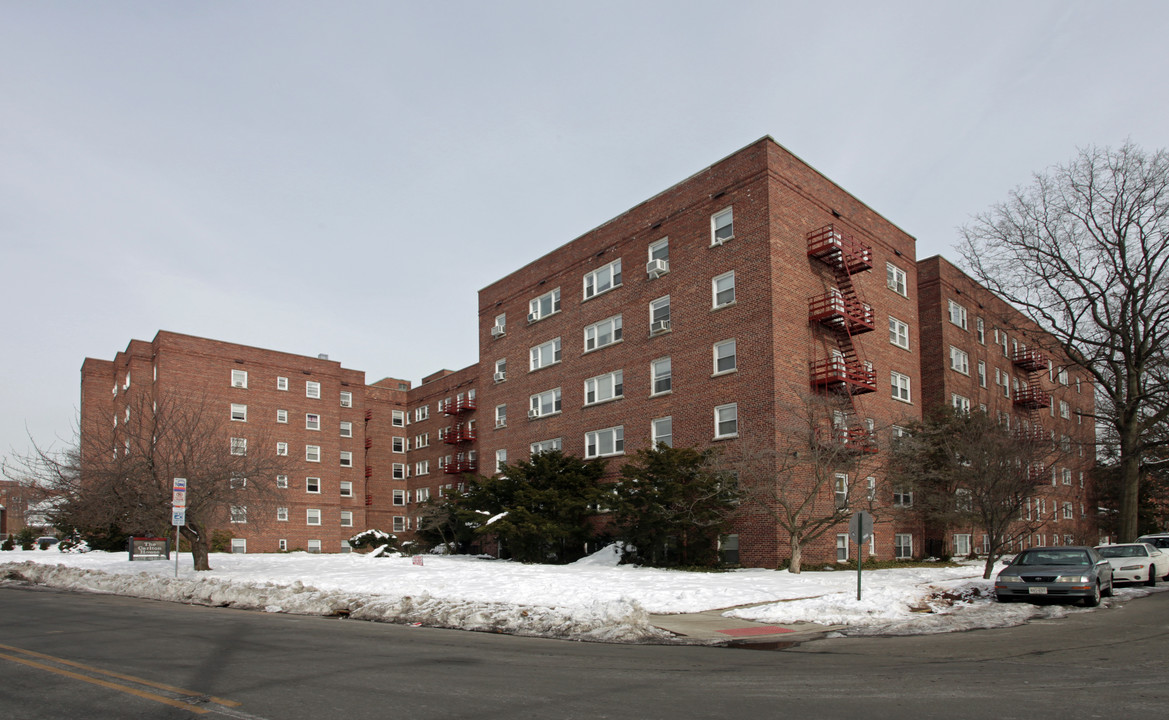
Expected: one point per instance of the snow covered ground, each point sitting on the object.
(594, 599)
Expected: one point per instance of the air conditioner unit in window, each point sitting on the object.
(659, 326)
(498, 331)
(533, 317)
(238, 383)
(500, 376)
(500, 423)
(657, 268)
(533, 413)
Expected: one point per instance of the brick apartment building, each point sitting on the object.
(700, 317)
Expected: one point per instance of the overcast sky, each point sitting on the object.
(342, 177)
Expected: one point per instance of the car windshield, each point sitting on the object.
(1053, 557)
(1122, 551)
(1161, 542)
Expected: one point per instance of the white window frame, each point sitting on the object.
(398, 471)
(981, 373)
(312, 389)
(397, 444)
(500, 459)
(602, 280)
(604, 388)
(282, 384)
(661, 373)
(959, 360)
(312, 516)
(610, 328)
(399, 524)
(542, 446)
(501, 369)
(282, 514)
(901, 389)
(605, 443)
(346, 488)
(958, 315)
(312, 453)
(346, 458)
(239, 514)
(896, 279)
(312, 421)
(421, 413)
(544, 355)
(239, 446)
(282, 448)
(310, 483)
(980, 330)
(659, 250)
(722, 351)
(659, 315)
(501, 416)
(722, 415)
(903, 546)
(728, 288)
(550, 299)
(898, 333)
(239, 413)
(398, 418)
(399, 497)
(902, 498)
(282, 416)
(962, 544)
(239, 379)
(661, 430)
(548, 398)
(722, 220)
(346, 518)
(346, 399)
(282, 482)
(346, 428)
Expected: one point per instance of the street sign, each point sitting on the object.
(180, 484)
(860, 527)
(178, 517)
(179, 498)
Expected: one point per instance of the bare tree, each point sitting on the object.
(1084, 252)
(815, 478)
(966, 470)
(124, 479)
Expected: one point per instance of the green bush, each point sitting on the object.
(8, 544)
(26, 538)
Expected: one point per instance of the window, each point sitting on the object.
(421, 495)
(902, 546)
(981, 374)
(604, 387)
(840, 490)
(312, 453)
(661, 374)
(601, 443)
(659, 315)
(841, 547)
(237, 483)
(281, 448)
(900, 384)
(501, 370)
(282, 416)
(346, 488)
(312, 421)
(725, 360)
(959, 360)
(346, 458)
(239, 446)
(895, 279)
(422, 467)
(1064, 410)
(239, 513)
(547, 445)
(399, 524)
(312, 516)
(726, 421)
(659, 258)
(722, 226)
(312, 389)
(398, 445)
(662, 431)
(902, 498)
(500, 459)
(346, 398)
(1062, 377)
(283, 545)
(346, 518)
(314, 546)
(545, 403)
(603, 279)
(421, 413)
(346, 429)
(500, 416)
(282, 514)
(980, 330)
(723, 289)
(398, 418)
(281, 481)
(958, 314)
(312, 485)
(544, 355)
(544, 305)
(871, 487)
(399, 471)
(423, 439)
(898, 333)
(961, 545)
(1066, 474)
(500, 328)
(1067, 511)
(239, 378)
(282, 383)
(606, 332)
(239, 413)
(399, 497)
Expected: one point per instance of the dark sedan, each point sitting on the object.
(1062, 572)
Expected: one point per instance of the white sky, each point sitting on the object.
(343, 177)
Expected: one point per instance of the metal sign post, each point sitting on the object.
(860, 529)
(178, 515)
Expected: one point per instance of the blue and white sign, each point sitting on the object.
(178, 517)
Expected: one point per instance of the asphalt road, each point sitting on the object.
(66, 655)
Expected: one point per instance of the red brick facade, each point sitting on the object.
(760, 281)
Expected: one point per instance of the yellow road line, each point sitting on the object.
(106, 684)
(120, 676)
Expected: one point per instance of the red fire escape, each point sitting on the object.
(1031, 396)
(462, 434)
(843, 314)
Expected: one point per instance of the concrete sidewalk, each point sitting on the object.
(711, 628)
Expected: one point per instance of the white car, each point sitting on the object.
(1136, 562)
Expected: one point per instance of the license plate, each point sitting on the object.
(1037, 590)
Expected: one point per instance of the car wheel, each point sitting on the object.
(1111, 587)
(1094, 599)
(1152, 581)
